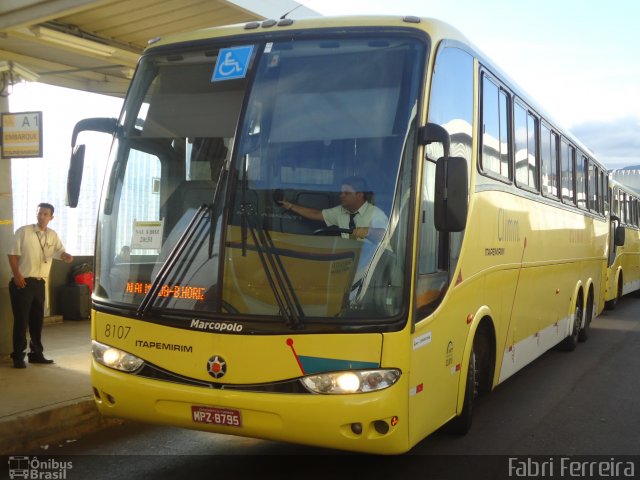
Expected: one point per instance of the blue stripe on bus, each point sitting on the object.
(313, 365)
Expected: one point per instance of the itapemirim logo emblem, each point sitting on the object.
(216, 366)
(33, 468)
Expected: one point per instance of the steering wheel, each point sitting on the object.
(278, 196)
(332, 231)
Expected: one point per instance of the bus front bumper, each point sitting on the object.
(374, 422)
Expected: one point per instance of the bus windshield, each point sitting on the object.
(216, 142)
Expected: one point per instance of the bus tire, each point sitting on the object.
(588, 316)
(570, 343)
(613, 303)
(461, 424)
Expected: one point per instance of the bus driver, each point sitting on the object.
(364, 219)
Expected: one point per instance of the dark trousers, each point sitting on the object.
(28, 312)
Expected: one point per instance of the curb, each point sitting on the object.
(53, 320)
(36, 429)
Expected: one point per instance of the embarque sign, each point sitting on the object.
(22, 135)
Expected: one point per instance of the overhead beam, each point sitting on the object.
(70, 43)
(112, 86)
(20, 13)
(96, 80)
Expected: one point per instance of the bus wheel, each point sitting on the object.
(570, 343)
(613, 303)
(462, 423)
(588, 316)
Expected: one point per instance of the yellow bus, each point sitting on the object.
(624, 254)
(228, 313)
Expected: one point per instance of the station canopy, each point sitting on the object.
(94, 45)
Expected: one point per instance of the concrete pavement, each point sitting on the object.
(44, 405)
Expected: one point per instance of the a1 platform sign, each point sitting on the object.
(22, 135)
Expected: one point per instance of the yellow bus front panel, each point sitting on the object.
(373, 421)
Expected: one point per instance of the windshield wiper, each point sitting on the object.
(216, 198)
(172, 259)
(277, 276)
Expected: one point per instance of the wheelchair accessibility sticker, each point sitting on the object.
(232, 63)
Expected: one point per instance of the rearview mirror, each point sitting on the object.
(451, 194)
(619, 236)
(74, 177)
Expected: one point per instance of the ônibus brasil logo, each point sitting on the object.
(34, 468)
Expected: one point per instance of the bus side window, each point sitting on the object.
(525, 124)
(495, 130)
(549, 161)
(592, 184)
(567, 173)
(581, 180)
(606, 194)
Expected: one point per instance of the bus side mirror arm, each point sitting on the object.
(76, 164)
(100, 124)
(434, 133)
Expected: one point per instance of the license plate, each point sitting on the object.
(216, 416)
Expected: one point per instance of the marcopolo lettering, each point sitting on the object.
(216, 326)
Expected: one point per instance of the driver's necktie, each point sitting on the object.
(352, 221)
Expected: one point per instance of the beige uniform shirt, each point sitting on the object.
(36, 250)
(368, 215)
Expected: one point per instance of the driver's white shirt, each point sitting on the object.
(368, 216)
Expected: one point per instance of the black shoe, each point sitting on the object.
(19, 363)
(39, 359)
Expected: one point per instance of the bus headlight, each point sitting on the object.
(352, 381)
(114, 358)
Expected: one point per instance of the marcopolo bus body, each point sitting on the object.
(624, 254)
(234, 315)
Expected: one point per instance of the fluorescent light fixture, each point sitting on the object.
(72, 42)
(18, 70)
(82, 45)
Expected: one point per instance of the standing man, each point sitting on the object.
(32, 250)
